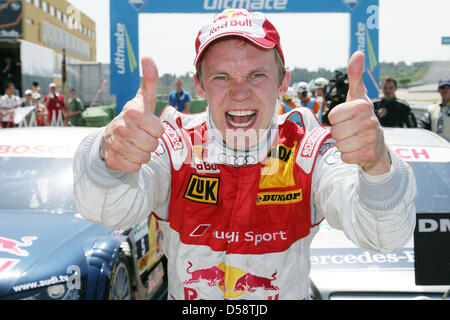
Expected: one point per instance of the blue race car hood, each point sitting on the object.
(42, 247)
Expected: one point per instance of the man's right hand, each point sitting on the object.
(132, 136)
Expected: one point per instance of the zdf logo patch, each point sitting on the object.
(203, 189)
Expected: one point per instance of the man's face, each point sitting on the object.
(389, 89)
(73, 95)
(320, 92)
(53, 90)
(445, 93)
(179, 85)
(241, 82)
(10, 90)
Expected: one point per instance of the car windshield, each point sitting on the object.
(36, 184)
(46, 184)
(433, 186)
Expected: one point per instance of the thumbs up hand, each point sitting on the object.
(355, 127)
(132, 136)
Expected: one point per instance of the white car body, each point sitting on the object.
(340, 270)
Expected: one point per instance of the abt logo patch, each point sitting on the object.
(203, 189)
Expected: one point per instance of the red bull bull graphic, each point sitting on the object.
(233, 281)
(214, 276)
(14, 247)
(250, 282)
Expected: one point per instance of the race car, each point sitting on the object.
(340, 270)
(47, 250)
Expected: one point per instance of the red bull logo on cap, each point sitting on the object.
(15, 247)
(233, 281)
(231, 23)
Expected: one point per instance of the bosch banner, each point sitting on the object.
(125, 32)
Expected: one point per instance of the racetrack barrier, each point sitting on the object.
(57, 121)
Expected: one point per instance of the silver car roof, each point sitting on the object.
(414, 137)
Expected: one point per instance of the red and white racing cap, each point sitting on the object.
(253, 26)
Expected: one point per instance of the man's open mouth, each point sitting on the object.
(241, 118)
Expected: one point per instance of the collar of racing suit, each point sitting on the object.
(219, 152)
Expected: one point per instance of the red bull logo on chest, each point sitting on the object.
(234, 282)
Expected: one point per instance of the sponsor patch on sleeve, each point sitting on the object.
(310, 144)
(325, 148)
(173, 137)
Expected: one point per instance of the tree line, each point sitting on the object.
(405, 74)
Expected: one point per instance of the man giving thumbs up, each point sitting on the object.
(355, 127)
(240, 191)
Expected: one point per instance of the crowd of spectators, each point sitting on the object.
(53, 110)
(36, 109)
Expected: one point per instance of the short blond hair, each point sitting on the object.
(278, 59)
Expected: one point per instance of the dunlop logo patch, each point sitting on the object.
(203, 189)
(286, 197)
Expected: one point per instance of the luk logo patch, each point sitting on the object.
(264, 198)
(203, 189)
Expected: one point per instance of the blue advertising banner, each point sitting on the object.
(125, 32)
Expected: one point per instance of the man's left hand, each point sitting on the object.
(355, 127)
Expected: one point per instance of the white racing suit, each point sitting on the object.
(238, 225)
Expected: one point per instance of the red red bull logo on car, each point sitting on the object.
(233, 281)
(7, 264)
(15, 247)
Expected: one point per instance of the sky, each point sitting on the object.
(410, 31)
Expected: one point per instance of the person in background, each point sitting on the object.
(392, 111)
(179, 98)
(319, 87)
(288, 103)
(6, 74)
(76, 108)
(28, 101)
(35, 87)
(437, 117)
(8, 104)
(41, 110)
(304, 100)
(54, 102)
